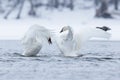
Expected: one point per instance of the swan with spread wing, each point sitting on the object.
(70, 39)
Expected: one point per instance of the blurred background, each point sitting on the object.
(16, 16)
(33, 7)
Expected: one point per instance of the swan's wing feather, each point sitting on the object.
(34, 39)
(98, 33)
(38, 34)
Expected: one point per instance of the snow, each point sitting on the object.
(15, 29)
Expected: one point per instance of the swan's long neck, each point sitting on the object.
(70, 34)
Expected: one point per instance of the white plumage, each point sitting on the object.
(70, 39)
(34, 39)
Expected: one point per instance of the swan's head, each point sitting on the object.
(65, 28)
(104, 28)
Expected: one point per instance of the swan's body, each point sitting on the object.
(70, 40)
(34, 39)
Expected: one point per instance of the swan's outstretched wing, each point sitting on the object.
(34, 39)
(101, 32)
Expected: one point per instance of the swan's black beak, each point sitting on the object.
(49, 40)
(105, 28)
(61, 31)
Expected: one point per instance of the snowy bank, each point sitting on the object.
(15, 29)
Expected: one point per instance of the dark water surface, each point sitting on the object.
(100, 61)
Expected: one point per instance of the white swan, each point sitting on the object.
(34, 39)
(70, 40)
